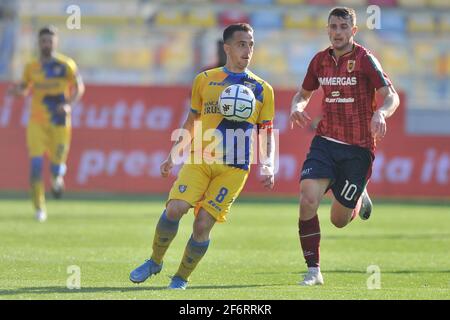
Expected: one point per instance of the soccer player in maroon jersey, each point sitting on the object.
(342, 152)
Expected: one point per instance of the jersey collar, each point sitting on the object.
(234, 73)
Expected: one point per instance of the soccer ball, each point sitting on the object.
(237, 102)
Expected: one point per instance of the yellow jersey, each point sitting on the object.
(51, 83)
(206, 91)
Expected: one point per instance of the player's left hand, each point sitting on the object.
(267, 178)
(268, 182)
(378, 125)
(64, 109)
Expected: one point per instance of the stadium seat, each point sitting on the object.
(290, 2)
(321, 2)
(383, 3)
(396, 60)
(444, 23)
(352, 3)
(170, 18)
(421, 22)
(201, 18)
(233, 16)
(299, 20)
(266, 19)
(227, 1)
(175, 54)
(439, 4)
(257, 2)
(137, 59)
(412, 3)
(393, 21)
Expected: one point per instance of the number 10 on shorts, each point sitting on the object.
(349, 190)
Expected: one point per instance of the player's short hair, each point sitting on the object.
(344, 13)
(51, 30)
(232, 28)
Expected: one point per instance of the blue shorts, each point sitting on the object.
(349, 167)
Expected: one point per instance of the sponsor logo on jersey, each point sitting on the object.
(211, 107)
(220, 84)
(338, 81)
(250, 85)
(351, 65)
(335, 94)
(339, 100)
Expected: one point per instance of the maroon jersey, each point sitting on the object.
(349, 86)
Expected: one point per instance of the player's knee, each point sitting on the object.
(339, 222)
(176, 209)
(36, 168)
(308, 203)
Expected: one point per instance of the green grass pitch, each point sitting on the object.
(255, 255)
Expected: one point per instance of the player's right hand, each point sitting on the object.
(301, 118)
(166, 167)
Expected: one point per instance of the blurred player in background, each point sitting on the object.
(342, 152)
(56, 85)
(212, 188)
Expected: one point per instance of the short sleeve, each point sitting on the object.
(372, 68)
(311, 82)
(72, 71)
(26, 77)
(196, 97)
(268, 109)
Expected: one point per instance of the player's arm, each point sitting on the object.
(185, 132)
(266, 141)
(391, 101)
(381, 82)
(298, 106)
(302, 97)
(76, 92)
(18, 89)
(21, 88)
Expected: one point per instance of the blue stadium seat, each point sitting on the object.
(266, 19)
(257, 2)
(393, 21)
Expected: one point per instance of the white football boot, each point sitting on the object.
(41, 215)
(312, 277)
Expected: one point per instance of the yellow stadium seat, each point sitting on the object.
(134, 59)
(201, 18)
(298, 20)
(439, 3)
(352, 3)
(170, 18)
(444, 23)
(421, 22)
(395, 60)
(412, 3)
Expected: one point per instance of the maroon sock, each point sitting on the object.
(309, 232)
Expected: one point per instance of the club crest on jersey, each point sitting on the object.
(250, 85)
(182, 188)
(350, 65)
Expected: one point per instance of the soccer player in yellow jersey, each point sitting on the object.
(56, 85)
(211, 187)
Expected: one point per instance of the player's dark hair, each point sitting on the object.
(344, 13)
(51, 30)
(232, 28)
